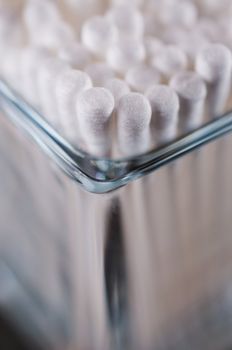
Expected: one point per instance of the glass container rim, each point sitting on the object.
(101, 175)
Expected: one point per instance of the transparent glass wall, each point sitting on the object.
(146, 266)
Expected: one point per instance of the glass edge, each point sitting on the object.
(102, 175)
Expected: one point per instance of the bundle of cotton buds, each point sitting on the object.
(97, 69)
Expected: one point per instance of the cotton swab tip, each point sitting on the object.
(98, 34)
(68, 86)
(133, 118)
(73, 80)
(192, 92)
(128, 20)
(47, 75)
(141, 77)
(94, 109)
(40, 12)
(189, 85)
(213, 62)
(165, 107)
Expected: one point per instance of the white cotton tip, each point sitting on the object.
(118, 88)
(170, 60)
(97, 35)
(99, 73)
(141, 77)
(178, 13)
(125, 54)
(190, 42)
(37, 14)
(69, 84)
(133, 120)
(94, 109)
(76, 55)
(165, 107)
(153, 46)
(214, 64)
(128, 20)
(31, 58)
(47, 75)
(192, 92)
(53, 35)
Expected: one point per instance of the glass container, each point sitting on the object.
(95, 255)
